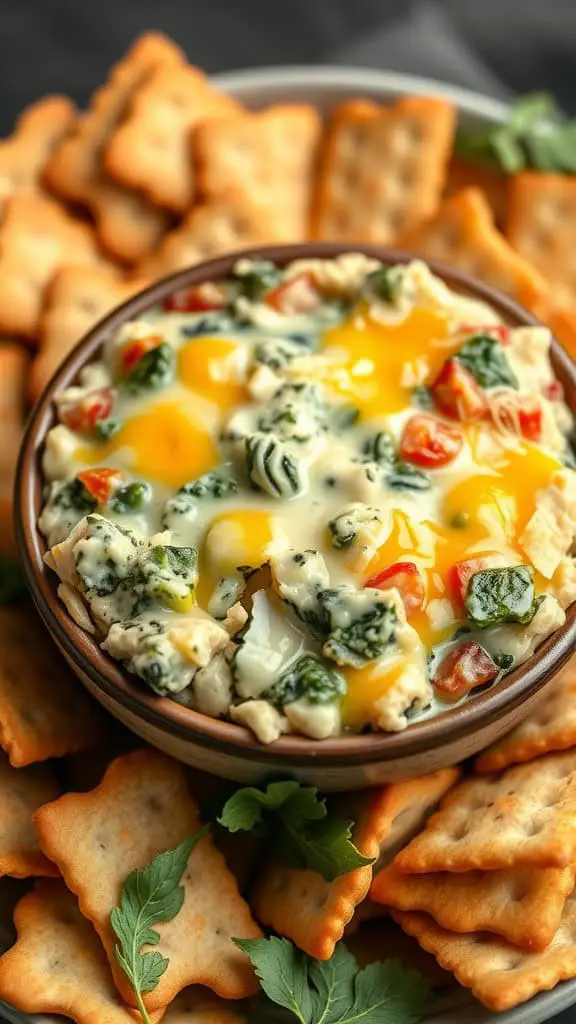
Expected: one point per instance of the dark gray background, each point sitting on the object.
(498, 46)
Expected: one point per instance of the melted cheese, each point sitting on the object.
(214, 367)
(365, 686)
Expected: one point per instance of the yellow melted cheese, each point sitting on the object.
(365, 686)
(213, 367)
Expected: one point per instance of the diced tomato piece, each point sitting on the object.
(134, 350)
(459, 576)
(457, 394)
(521, 416)
(406, 577)
(427, 441)
(499, 331)
(85, 414)
(553, 391)
(100, 483)
(299, 295)
(199, 299)
(465, 667)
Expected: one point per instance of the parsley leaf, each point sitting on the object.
(296, 821)
(149, 895)
(12, 585)
(335, 991)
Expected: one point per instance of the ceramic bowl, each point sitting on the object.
(224, 748)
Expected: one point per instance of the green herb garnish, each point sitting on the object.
(12, 586)
(384, 283)
(259, 277)
(501, 595)
(484, 358)
(309, 678)
(153, 370)
(105, 429)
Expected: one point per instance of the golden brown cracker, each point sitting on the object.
(141, 807)
(313, 913)
(14, 365)
(524, 905)
(23, 791)
(462, 234)
(541, 224)
(268, 157)
(500, 975)
(150, 151)
(491, 181)
(128, 225)
(76, 299)
(384, 940)
(23, 155)
(44, 710)
(549, 727)
(382, 169)
(525, 817)
(197, 1006)
(57, 964)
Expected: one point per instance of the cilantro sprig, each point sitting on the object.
(149, 895)
(335, 991)
(297, 822)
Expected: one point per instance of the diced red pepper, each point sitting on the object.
(100, 483)
(134, 350)
(521, 416)
(427, 441)
(459, 576)
(298, 295)
(499, 331)
(85, 414)
(406, 577)
(199, 299)
(553, 391)
(465, 667)
(457, 394)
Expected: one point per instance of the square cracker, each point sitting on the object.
(299, 904)
(150, 151)
(541, 225)
(382, 169)
(37, 237)
(524, 905)
(128, 225)
(44, 710)
(141, 807)
(22, 791)
(23, 155)
(462, 234)
(76, 299)
(500, 975)
(270, 155)
(525, 817)
(14, 366)
(549, 727)
(57, 964)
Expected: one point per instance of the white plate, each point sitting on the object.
(324, 87)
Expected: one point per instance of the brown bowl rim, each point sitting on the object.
(290, 752)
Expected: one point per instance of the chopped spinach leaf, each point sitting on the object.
(272, 468)
(404, 476)
(361, 626)
(218, 483)
(74, 496)
(131, 497)
(422, 397)
(179, 561)
(384, 283)
(380, 448)
(276, 353)
(501, 595)
(309, 678)
(105, 429)
(343, 417)
(484, 358)
(154, 370)
(259, 277)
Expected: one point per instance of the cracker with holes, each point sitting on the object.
(382, 169)
(150, 151)
(525, 817)
(269, 156)
(549, 727)
(14, 366)
(24, 154)
(44, 711)
(141, 807)
(540, 225)
(37, 236)
(299, 904)
(524, 905)
(462, 234)
(129, 226)
(57, 964)
(499, 974)
(76, 299)
(22, 792)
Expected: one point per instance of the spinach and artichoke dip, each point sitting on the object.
(317, 500)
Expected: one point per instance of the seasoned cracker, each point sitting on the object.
(268, 156)
(143, 806)
(313, 913)
(541, 224)
(128, 225)
(44, 710)
(462, 234)
(491, 181)
(23, 155)
(197, 1006)
(37, 237)
(500, 975)
(209, 230)
(525, 817)
(14, 364)
(23, 791)
(76, 299)
(549, 727)
(524, 905)
(150, 151)
(382, 169)
(57, 964)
